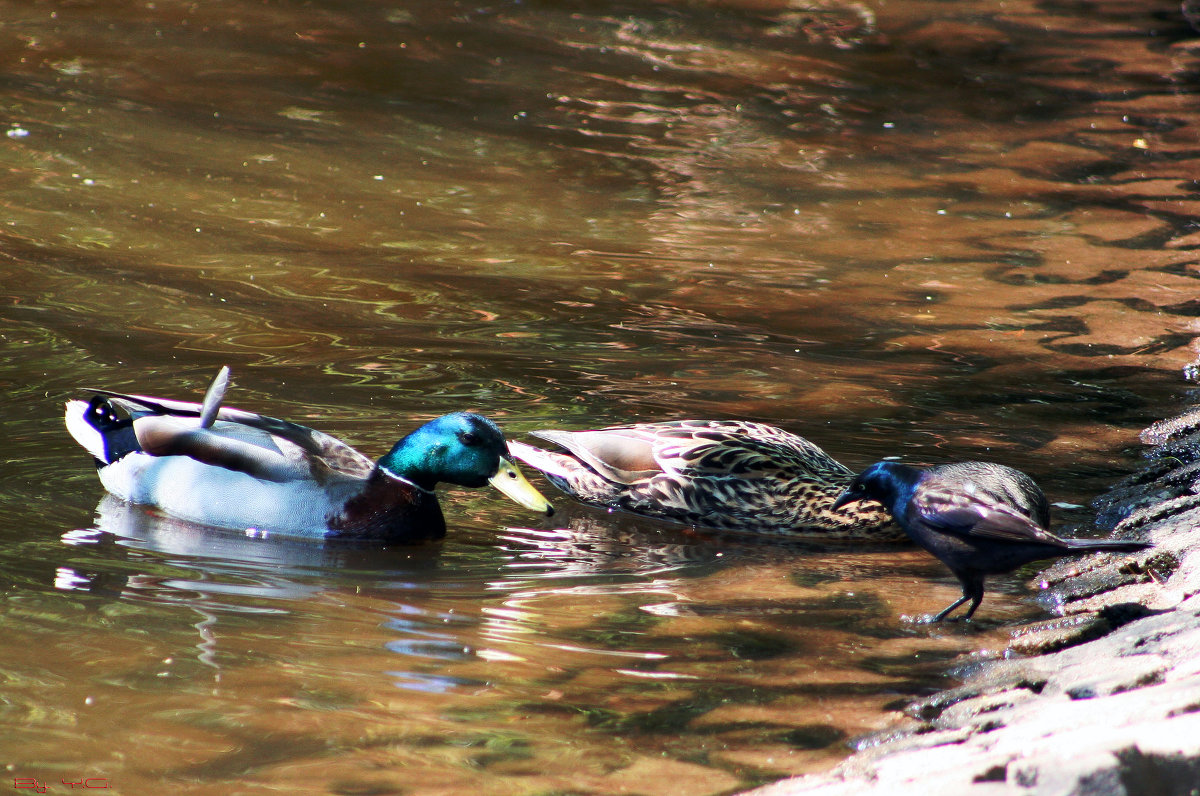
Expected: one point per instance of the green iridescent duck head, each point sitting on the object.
(464, 449)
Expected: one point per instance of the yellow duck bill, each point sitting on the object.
(508, 479)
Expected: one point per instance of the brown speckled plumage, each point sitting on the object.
(728, 475)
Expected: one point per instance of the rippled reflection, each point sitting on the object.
(582, 629)
(920, 229)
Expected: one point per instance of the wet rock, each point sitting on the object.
(1103, 699)
(1045, 637)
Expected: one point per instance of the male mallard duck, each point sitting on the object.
(729, 475)
(224, 467)
(977, 518)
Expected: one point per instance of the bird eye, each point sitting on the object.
(467, 438)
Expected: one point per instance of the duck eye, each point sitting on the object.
(468, 438)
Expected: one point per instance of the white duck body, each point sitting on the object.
(193, 490)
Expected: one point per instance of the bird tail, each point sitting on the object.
(95, 425)
(1106, 545)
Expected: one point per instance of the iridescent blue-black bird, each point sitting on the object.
(977, 518)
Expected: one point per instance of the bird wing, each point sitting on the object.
(621, 455)
(995, 482)
(232, 443)
(225, 445)
(965, 512)
(697, 449)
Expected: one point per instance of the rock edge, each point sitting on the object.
(1104, 699)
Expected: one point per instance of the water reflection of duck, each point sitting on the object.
(583, 543)
(149, 558)
(587, 545)
(729, 475)
(210, 551)
(233, 469)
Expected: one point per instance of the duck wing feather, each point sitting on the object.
(274, 454)
(698, 449)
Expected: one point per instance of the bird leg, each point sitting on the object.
(972, 584)
(973, 588)
(943, 613)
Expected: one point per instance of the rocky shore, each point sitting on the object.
(1104, 699)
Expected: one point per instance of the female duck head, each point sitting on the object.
(464, 449)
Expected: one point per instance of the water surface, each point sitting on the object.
(925, 229)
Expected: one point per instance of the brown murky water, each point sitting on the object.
(928, 229)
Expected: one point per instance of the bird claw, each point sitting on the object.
(934, 619)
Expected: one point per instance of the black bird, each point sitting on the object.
(977, 518)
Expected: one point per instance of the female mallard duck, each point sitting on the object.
(232, 469)
(729, 475)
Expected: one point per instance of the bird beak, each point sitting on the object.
(508, 479)
(846, 498)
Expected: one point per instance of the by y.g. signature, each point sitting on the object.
(34, 784)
